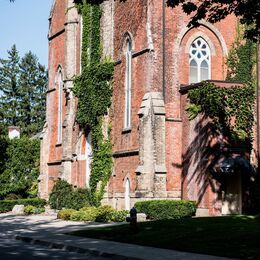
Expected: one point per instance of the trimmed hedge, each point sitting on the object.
(166, 209)
(98, 214)
(7, 205)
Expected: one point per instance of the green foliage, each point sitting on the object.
(9, 88)
(4, 142)
(28, 210)
(7, 205)
(247, 11)
(119, 216)
(85, 214)
(13, 196)
(65, 214)
(230, 108)
(94, 91)
(104, 213)
(79, 198)
(102, 163)
(64, 196)
(21, 168)
(193, 110)
(60, 194)
(98, 214)
(166, 209)
(32, 87)
(241, 59)
(23, 83)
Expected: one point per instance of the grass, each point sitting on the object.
(234, 236)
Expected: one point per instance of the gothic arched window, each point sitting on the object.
(60, 103)
(128, 83)
(199, 61)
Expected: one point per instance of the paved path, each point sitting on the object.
(11, 249)
(49, 232)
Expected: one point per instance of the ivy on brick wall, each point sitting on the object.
(241, 59)
(231, 109)
(94, 91)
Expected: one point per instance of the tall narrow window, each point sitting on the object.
(128, 83)
(89, 156)
(199, 61)
(60, 101)
(127, 194)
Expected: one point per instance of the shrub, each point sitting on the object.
(7, 205)
(84, 214)
(119, 216)
(78, 199)
(104, 213)
(65, 214)
(60, 195)
(166, 209)
(12, 196)
(29, 209)
(39, 210)
(64, 196)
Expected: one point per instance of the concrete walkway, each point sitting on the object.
(49, 231)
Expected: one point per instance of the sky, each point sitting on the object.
(25, 23)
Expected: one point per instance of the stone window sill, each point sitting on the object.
(126, 130)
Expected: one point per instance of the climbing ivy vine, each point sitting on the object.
(231, 109)
(94, 91)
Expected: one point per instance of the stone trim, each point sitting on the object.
(126, 130)
(71, 22)
(138, 53)
(151, 177)
(126, 153)
(54, 162)
(50, 38)
(50, 90)
(135, 54)
(67, 159)
(173, 119)
(209, 26)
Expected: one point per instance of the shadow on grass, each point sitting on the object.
(234, 236)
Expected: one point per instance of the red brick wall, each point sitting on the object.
(130, 17)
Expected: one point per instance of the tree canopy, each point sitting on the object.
(23, 82)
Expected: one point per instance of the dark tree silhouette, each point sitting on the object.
(247, 11)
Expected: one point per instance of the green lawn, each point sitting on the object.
(235, 236)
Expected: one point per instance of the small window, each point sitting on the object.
(128, 83)
(199, 61)
(60, 103)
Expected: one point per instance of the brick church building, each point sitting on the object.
(158, 153)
